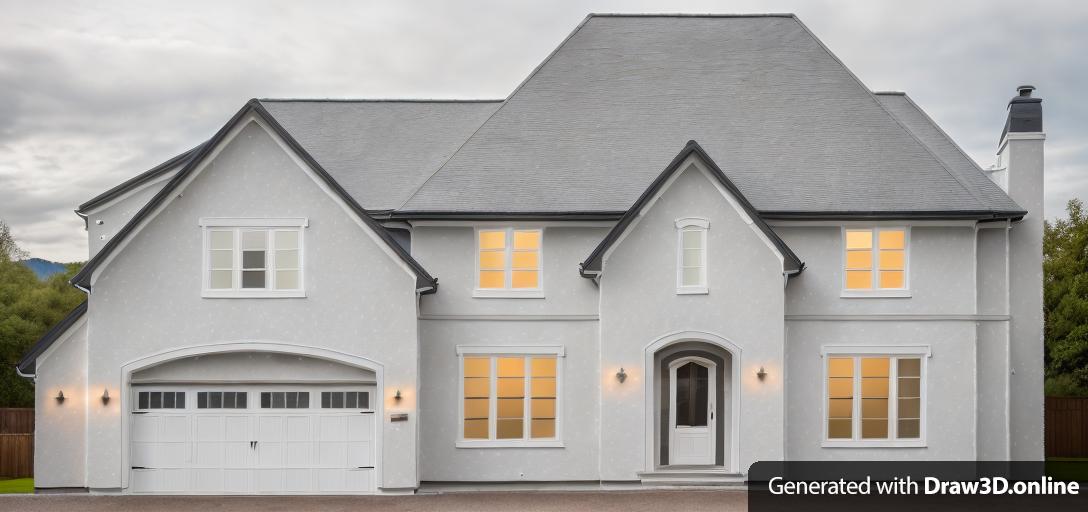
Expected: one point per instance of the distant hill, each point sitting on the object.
(44, 268)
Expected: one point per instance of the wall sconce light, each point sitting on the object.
(621, 375)
(105, 397)
(396, 396)
(60, 397)
(762, 374)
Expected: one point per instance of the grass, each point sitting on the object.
(1067, 468)
(17, 486)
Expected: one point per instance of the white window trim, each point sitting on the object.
(237, 225)
(700, 225)
(905, 291)
(920, 351)
(514, 351)
(508, 292)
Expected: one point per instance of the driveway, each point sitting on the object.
(604, 501)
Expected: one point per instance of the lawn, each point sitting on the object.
(17, 486)
(1065, 468)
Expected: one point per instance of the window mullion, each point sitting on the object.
(492, 400)
(236, 271)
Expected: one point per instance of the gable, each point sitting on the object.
(801, 133)
(253, 114)
(692, 159)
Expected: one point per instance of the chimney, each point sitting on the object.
(1020, 161)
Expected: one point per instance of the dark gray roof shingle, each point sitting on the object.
(785, 120)
(380, 151)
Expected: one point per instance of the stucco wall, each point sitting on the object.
(360, 301)
(441, 460)
(116, 213)
(941, 268)
(639, 304)
(950, 384)
(450, 253)
(60, 434)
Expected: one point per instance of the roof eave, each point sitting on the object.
(26, 366)
(896, 215)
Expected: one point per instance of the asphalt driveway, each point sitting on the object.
(604, 501)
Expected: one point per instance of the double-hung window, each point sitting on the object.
(875, 262)
(508, 262)
(510, 396)
(874, 398)
(253, 257)
(691, 255)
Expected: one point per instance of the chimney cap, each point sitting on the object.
(1025, 90)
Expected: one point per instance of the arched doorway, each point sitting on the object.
(692, 402)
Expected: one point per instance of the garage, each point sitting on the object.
(274, 439)
(193, 430)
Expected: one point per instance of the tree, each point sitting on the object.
(28, 308)
(1065, 302)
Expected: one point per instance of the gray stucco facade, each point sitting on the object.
(969, 312)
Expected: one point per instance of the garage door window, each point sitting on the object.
(345, 400)
(221, 400)
(160, 400)
(285, 400)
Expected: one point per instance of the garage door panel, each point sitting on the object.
(253, 450)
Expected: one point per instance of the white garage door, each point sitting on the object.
(252, 439)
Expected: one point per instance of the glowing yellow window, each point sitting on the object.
(840, 397)
(875, 259)
(477, 391)
(508, 259)
(510, 398)
(874, 398)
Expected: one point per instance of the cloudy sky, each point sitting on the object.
(91, 95)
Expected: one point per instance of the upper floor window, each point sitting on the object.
(508, 262)
(691, 255)
(253, 257)
(875, 261)
(875, 399)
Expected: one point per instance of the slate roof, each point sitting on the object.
(796, 131)
(380, 151)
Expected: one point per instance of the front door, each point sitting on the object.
(691, 411)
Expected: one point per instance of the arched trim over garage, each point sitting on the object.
(128, 368)
(649, 370)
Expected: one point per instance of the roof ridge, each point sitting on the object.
(970, 190)
(692, 15)
(378, 100)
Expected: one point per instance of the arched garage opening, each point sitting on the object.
(252, 418)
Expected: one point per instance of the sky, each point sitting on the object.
(93, 93)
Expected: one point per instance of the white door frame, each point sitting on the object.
(127, 369)
(649, 433)
(712, 396)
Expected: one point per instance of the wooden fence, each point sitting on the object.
(16, 443)
(1066, 427)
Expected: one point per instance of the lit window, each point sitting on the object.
(691, 255)
(160, 400)
(510, 399)
(253, 261)
(876, 259)
(508, 259)
(874, 398)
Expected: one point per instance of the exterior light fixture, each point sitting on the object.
(621, 375)
(60, 397)
(396, 396)
(105, 396)
(762, 374)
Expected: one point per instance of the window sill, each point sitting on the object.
(876, 443)
(875, 294)
(554, 443)
(253, 294)
(507, 294)
(692, 290)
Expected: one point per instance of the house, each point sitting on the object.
(682, 245)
